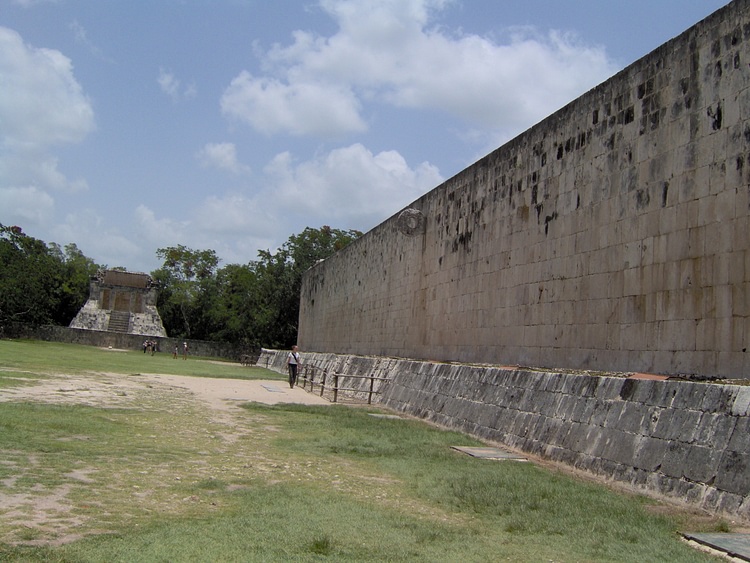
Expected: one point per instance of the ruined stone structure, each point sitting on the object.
(122, 302)
(612, 236)
(683, 440)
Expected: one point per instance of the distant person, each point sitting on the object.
(184, 350)
(145, 346)
(174, 353)
(293, 362)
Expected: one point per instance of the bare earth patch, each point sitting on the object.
(107, 389)
(49, 515)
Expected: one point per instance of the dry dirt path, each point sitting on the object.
(221, 397)
(48, 513)
(222, 394)
(103, 388)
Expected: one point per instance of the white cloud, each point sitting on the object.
(173, 88)
(29, 3)
(350, 184)
(37, 168)
(222, 156)
(385, 51)
(41, 104)
(162, 232)
(27, 206)
(49, 175)
(349, 187)
(95, 236)
(81, 37)
(235, 214)
(300, 108)
(234, 226)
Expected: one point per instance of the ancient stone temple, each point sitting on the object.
(121, 302)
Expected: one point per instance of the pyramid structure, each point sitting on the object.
(123, 302)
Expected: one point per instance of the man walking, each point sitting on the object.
(292, 362)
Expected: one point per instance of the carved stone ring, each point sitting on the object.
(411, 222)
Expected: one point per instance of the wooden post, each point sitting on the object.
(335, 387)
(369, 396)
(323, 384)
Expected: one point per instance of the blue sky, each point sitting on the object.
(132, 125)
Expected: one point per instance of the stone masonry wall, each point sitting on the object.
(686, 440)
(613, 235)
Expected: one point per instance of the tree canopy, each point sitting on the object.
(41, 283)
(255, 304)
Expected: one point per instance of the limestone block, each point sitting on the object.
(663, 429)
(701, 464)
(733, 474)
(741, 405)
(649, 453)
(619, 447)
(720, 398)
(634, 419)
(674, 459)
(740, 437)
(714, 430)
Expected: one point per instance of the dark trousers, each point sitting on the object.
(292, 375)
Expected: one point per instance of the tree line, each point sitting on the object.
(254, 304)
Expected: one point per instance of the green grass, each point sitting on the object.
(155, 476)
(42, 357)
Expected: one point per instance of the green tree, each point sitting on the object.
(187, 289)
(30, 280)
(234, 316)
(76, 271)
(280, 280)
(255, 305)
(41, 283)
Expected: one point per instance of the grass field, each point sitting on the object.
(148, 473)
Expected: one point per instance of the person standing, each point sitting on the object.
(184, 350)
(293, 362)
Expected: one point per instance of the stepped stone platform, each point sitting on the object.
(122, 302)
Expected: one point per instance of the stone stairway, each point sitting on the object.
(119, 321)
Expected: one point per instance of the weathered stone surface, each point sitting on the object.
(695, 448)
(715, 429)
(610, 236)
(701, 464)
(734, 473)
(649, 454)
(740, 436)
(126, 297)
(741, 405)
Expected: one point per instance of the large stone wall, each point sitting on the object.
(688, 441)
(613, 235)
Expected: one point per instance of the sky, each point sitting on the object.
(229, 125)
